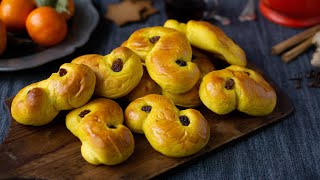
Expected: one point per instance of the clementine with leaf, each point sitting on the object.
(65, 7)
(3, 37)
(46, 26)
(14, 13)
(67, 14)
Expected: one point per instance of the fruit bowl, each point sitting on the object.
(81, 26)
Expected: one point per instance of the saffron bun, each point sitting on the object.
(167, 55)
(191, 98)
(211, 38)
(146, 86)
(99, 126)
(39, 103)
(236, 87)
(117, 73)
(169, 131)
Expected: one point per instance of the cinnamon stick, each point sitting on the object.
(284, 45)
(294, 52)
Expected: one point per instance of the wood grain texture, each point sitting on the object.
(52, 152)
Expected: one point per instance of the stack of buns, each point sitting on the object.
(154, 70)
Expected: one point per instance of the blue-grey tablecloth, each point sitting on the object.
(289, 149)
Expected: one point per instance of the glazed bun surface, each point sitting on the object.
(99, 126)
(208, 37)
(238, 88)
(167, 55)
(191, 98)
(39, 103)
(170, 131)
(117, 73)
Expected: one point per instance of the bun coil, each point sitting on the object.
(191, 98)
(117, 73)
(39, 103)
(167, 54)
(99, 126)
(238, 88)
(170, 131)
(208, 37)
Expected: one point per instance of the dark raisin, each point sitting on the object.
(184, 120)
(247, 73)
(117, 65)
(146, 108)
(229, 85)
(62, 72)
(154, 39)
(111, 126)
(181, 62)
(84, 112)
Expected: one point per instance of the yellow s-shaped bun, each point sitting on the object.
(238, 88)
(117, 73)
(99, 126)
(191, 98)
(206, 36)
(170, 131)
(167, 54)
(39, 103)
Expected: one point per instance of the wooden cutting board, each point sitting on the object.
(52, 152)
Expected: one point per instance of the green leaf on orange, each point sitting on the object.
(60, 5)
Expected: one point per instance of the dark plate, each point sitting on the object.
(81, 26)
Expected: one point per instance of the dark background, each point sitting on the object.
(289, 149)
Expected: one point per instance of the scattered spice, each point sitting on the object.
(298, 84)
(296, 77)
(312, 76)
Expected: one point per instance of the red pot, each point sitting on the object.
(291, 13)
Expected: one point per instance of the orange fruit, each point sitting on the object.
(71, 9)
(46, 26)
(14, 13)
(3, 37)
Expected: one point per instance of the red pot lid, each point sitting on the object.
(286, 20)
